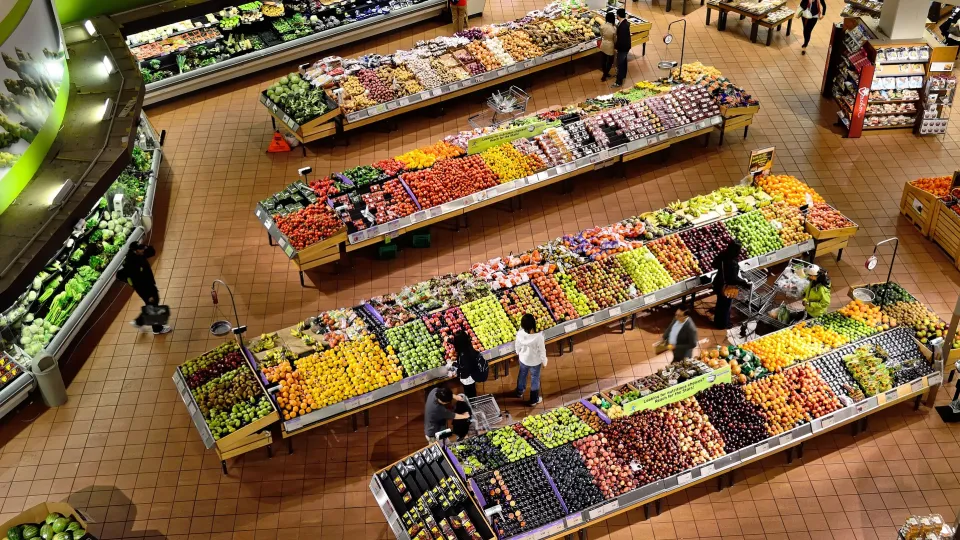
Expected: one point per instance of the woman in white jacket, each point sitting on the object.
(532, 352)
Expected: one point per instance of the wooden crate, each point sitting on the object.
(324, 250)
(247, 444)
(817, 234)
(730, 112)
(920, 208)
(831, 245)
(946, 231)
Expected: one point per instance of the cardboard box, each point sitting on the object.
(40, 512)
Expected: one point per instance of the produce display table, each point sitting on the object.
(832, 240)
(855, 413)
(735, 118)
(757, 12)
(945, 231)
(920, 207)
(337, 122)
(250, 436)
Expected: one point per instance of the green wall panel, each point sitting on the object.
(76, 10)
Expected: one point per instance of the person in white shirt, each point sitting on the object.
(681, 336)
(532, 352)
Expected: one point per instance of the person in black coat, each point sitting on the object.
(623, 46)
(137, 273)
(727, 266)
(466, 363)
(811, 11)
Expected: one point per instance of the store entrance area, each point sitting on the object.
(126, 450)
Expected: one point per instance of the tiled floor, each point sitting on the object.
(124, 449)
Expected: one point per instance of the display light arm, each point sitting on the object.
(240, 329)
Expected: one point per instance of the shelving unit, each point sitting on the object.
(874, 81)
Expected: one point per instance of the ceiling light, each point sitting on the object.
(108, 65)
(92, 30)
(62, 193)
(107, 109)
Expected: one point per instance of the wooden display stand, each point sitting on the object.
(323, 252)
(736, 118)
(946, 232)
(833, 239)
(756, 19)
(920, 208)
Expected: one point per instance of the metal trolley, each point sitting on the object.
(484, 414)
(785, 306)
(502, 107)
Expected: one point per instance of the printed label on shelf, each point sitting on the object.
(352, 117)
(649, 299)
(258, 213)
(763, 447)
(636, 145)
(685, 478)
(392, 234)
(823, 423)
(281, 242)
(541, 176)
(651, 141)
(605, 509)
(493, 510)
(353, 238)
(570, 327)
(268, 223)
(288, 249)
(916, 385)
(867, 404)
(419, 216)
(615, 311)
(436, 211)
(935, 379)
(365, 400)
(391, 105)
(263, 99)
(404, 101)
(588, 320)
(786, 438)
(505, 349)
(715, 120)
(662, 137)
(416, 97)
(574, 520)
(707, 470)
(435, 92)
(890, 395)
(702, 124)
(191, 408)
(479, 196)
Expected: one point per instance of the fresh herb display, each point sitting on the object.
(297, 98)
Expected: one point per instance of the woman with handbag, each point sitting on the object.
(608, 39)
(726, 282)
(811, 11)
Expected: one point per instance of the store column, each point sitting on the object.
(903, 19)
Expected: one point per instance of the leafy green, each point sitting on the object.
(141, 159)
(97, 262)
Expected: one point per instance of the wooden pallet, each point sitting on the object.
(920, 208)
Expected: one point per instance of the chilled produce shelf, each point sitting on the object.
(847, 413)
(15, 390)
(251, 62)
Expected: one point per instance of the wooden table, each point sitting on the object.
(757, 20)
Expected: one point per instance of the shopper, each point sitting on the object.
(459, 10)
(137, 273)
(608, 39)
(817, 297)
(440, 409)
(470, 365)
(726, 281)
(811, 11)
(622, 46)
(532, 352)
(681, 335)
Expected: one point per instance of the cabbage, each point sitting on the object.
(25, 340)
(102, 225)
(3, 320)
(116, 214)
(37, 283)
(32, 295)
(107, 234)
(29, 318)
(27, 331)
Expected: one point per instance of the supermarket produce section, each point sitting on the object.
(557, 472)
(343, 361)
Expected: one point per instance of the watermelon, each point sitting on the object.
(78, 534)
(30, 531)
(59, 525)
(74, 525)
(46, 531)
(63, 536)
(13, 533)
(52, 517)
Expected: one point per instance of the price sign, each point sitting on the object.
(715, 120)
(392, 234)
(891, 395)
(419, 216)
(786, 438)
(541, 176)
(416, 97)
(282, 243)
(662, 137)
(288, 249)
(605, 509)
(570, 327)
(435, 92)
(651, 141)
(588, 321)
(916, 385)
(505, 349)
(574, 520)
(685, 478)
(615, 311)
(263, 99)
(762, 447)
(268, 223)
(649, 299)
(826, 421)
(707, 470)
(365, 400)
(404, 102)
(391, 105)
(436, 211)
(493, 510)
(935, 379)
(191, 408)
(258, 213)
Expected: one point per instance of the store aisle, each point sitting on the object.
(124, 449)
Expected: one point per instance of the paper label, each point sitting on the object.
(762, 447)
(574, 520)
(365, 400)
(436, 211)
(935, 379)
(505, 349)
(588, 320)
(685, 478)
(404, 102)
(890, 395)
(191, 408)
(268, 223)
(916, 385)
(493, 510)
(786, 438)
(649, 299)
(568, 328)
(419, 216)
(615, 311)
(605, 509)
(707, 470)
(258, 213)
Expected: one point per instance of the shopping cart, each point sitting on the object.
(484, 414)
(502, 107)
(786, 303)
(751, 301)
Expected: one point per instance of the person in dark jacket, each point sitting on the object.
(728, 273)
(137, 273)
(811, 11)
(466, 363)
(623, 46)
(681, 335)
